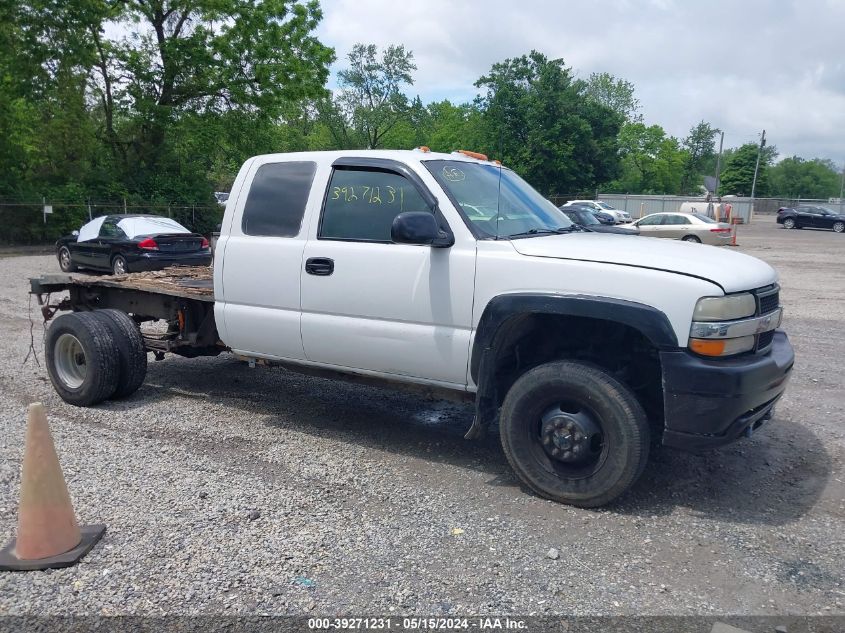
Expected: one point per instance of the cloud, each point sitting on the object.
(742, 66)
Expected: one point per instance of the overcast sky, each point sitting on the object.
(741, 65)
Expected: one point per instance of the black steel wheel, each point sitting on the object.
(132, 354)
(82, 358)
(574, 434)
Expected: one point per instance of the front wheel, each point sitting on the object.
(574, 434)
(839, 227)
(691, 238)
(789, 223)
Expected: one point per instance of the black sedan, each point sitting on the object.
(583, 217)
(603, 218)
(807, 216)
(131, 243)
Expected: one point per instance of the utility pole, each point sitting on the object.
(757, 166)
(719, 164)
(842, 186)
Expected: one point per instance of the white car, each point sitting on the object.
(448, 273)
(621, 217)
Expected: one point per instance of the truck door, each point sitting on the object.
(374, 305)
(261, 258)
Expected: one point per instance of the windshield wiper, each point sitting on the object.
(558, 231)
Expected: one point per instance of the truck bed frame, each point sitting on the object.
(183, 296)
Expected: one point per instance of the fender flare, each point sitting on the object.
(649, 321)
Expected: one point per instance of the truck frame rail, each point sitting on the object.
(182, 296)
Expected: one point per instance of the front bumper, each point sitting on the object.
(708, 403)
(157, 261)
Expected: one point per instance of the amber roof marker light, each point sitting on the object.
(466, 152)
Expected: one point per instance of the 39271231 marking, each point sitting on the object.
(350, 624)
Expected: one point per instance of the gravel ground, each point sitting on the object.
(251, 491)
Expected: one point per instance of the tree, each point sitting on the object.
(798, 178)
(699, 147)
(738, 175)
(200, 56)
(616, 94)
(652, 162)
(539, 121)
(370, 101)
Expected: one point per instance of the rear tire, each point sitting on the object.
(66, 261)
(789, 223)
(132, 354)
(82, 359)
(119, 265)
(691, 238)
(838, 227)
(598, 458)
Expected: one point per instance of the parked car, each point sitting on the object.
(688, 227)
(585, 218)
(601, 216)
(131, 243)
(387, 267)
(621, 217)
(811, 217)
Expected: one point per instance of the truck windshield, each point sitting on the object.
(499, 203)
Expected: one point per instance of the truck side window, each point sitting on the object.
(362, 203)
(277, 198)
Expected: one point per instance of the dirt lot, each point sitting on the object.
(236, 490)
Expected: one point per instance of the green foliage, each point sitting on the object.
(538, 120)
(163, 115)
(652, 162)
(738, 175)
(370, 102)
(166, 114)
(616, 94)
(699, 150)
(798, 178)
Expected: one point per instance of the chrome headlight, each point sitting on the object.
(725, 308)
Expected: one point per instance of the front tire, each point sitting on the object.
(789, 223)
(119, 265)
(132, 354)
(66, 261)
(574, 434)
(82, 359)
(691, 238)
(839, 227)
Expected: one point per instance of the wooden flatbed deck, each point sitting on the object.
(188, 282)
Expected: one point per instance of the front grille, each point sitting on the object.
(769, 302)
(764, 340)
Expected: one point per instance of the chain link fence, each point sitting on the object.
(39, 223)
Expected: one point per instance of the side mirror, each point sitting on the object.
(76, 233)
(418, 227)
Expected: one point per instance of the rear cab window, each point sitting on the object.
(277, 198)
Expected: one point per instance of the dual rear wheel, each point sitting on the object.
(94, 356)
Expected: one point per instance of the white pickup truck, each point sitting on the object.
(450, 273)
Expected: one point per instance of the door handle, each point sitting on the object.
(320, 266)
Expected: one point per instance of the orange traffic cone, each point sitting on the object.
(48, 535)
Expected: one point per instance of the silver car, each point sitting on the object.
(689, 227)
